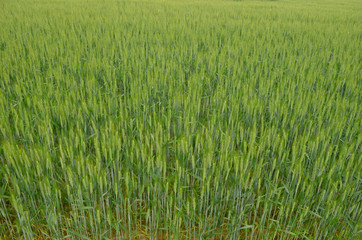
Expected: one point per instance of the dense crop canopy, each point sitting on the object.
(180, 119)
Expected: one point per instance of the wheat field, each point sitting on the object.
(172, 119)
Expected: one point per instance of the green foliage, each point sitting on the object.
(180, 120)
